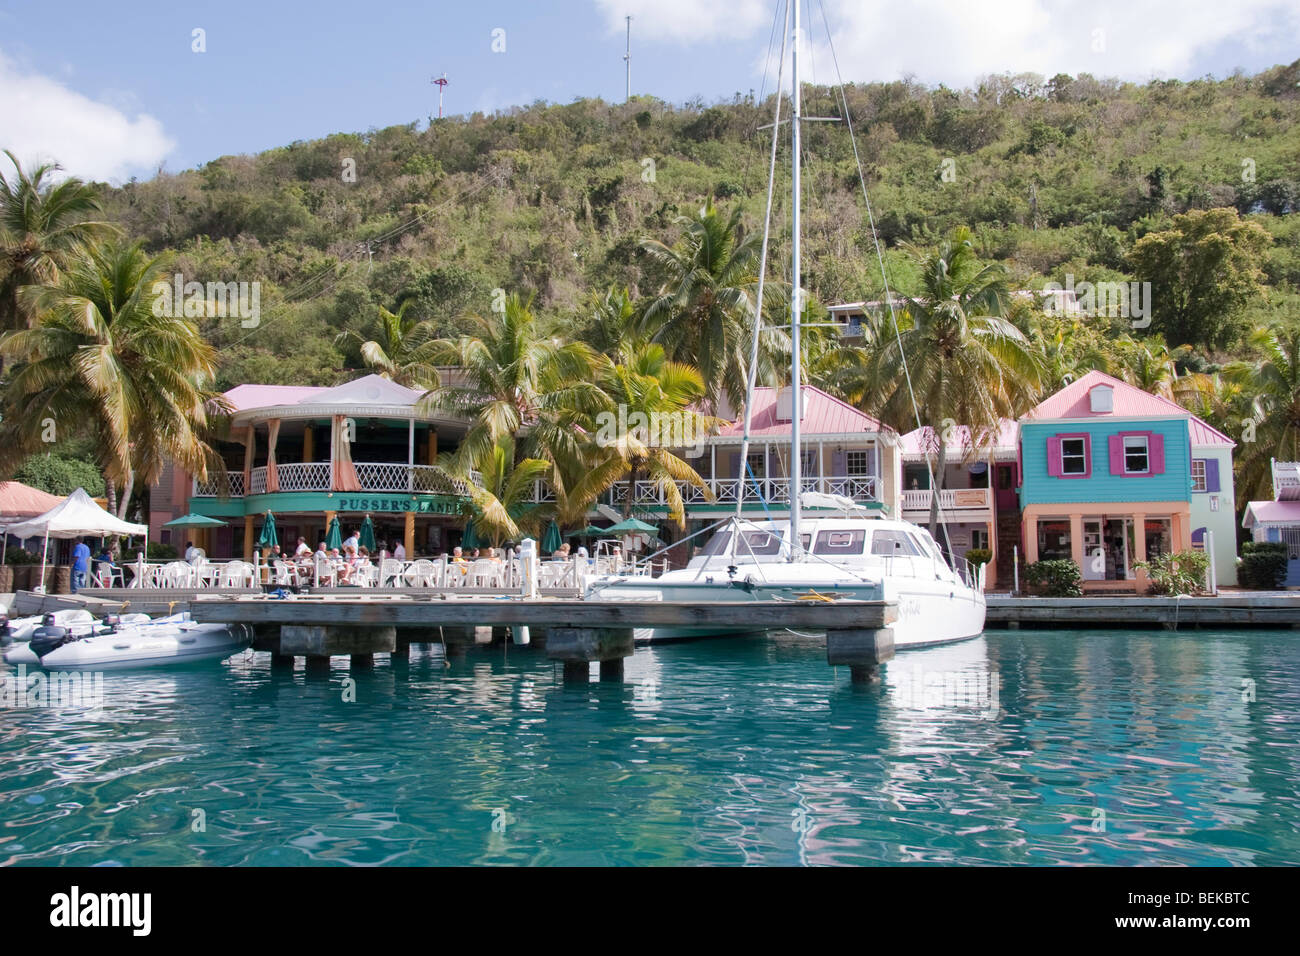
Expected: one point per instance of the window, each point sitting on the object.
(757, 464)
(890, 543)
(858, 462)
(1054, 539)
(1137, 461)
(1074, 456)
(1199, 482)
(758, 543)
(979, 538)
(809, 465)
(841, 542)
(718, 543)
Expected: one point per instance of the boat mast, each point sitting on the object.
(796, 299)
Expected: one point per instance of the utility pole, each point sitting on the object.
(627, 58)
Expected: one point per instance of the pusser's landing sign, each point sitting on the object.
(399, 503)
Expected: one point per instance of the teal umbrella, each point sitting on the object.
(551, 540)
(631, 526)
(470, 538)
(267, 538)
(591, 531)
(194, 521)
(334, 536)
(367, 539)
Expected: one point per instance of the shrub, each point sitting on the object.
(61, 476)
(1263, 565)
(978, 556)
(1181, 573)
(21, 556)
(1061, 578)
(157, 552)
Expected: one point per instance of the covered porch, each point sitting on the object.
(1107, 540)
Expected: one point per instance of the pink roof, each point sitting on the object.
(920, 440)
(1129, 402)
(823, 415)
(1271, 512)
(23, 501)
(244, 397)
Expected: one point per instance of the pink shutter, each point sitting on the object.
(1116, 445)
(1156, 452)
(1054, 457)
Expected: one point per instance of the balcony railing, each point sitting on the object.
(775, 491)
(315, 476)
(952, 501)
(1286, 480)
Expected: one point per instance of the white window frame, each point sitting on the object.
(865, 466)
(757, 465)
(1145, 452)
(1200, 483)
(1082, 455)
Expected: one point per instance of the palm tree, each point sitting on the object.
(649, 412)
(703, 311)
(99, 360)
(502, 508)
(513, 379)
(41, 226)
(960, 360)
(610, 322)
(402, 351)
(1274, 410)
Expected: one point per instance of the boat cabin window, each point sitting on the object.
(841, 542)
(890, 543)
(759, 543)
(717, 544)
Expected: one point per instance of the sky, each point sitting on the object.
(118, 91)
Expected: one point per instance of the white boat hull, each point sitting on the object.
(152, 645)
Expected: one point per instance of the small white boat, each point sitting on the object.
(169, 640)
(77, 623)
(19, 631)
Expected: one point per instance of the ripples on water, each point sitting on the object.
(1020, 747)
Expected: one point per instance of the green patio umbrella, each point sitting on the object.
(551, 540)
(334, 536)
(631, 526)
(267, 537)
(591, 531)
(367, 539)
(194, 521)
(470, 539)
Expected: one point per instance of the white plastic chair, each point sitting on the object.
(326, 573)
(390, 573)
(237, 574)
(106, 575)
(284, 576)
(420, 574)
(175, 574)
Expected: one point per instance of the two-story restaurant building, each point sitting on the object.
(307, 454)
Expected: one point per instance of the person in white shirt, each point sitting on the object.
(399, 551)
(302, 550)
(192, 554)
(352, 541)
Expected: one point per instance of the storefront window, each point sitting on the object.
(1054, 539)
(1159, 539)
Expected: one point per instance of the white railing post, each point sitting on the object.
(1015, 568)
(1211, 573)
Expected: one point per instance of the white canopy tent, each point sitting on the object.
(75, 516)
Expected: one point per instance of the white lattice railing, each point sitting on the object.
(860, 488)
(232, 482)
(950, 500)
(315, 476)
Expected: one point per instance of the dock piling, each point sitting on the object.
(862, 650)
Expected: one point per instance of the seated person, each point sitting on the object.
(302, 550)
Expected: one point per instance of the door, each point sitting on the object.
(1094, 555)
(1005, 486)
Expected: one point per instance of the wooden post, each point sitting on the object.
(1076, 539)
(991, 569)
(431, 451)
(308, 444)
(408, 536)
(863, 650)
(1140, 552)
(248, 538)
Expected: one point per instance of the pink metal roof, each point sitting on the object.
(920, 440)
(1271, 512)
(23, 501)
(1130, 402)
(823, 415)
(244, 397)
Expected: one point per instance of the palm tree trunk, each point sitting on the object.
(631, 490)
(937, 487)
(110, 492)
(126, 495)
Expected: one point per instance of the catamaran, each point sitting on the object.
(838, 550)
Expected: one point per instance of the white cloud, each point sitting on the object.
(958, 41)
(43, 120)
(688, 22)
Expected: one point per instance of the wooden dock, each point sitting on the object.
(1275, 609)
(575, 632)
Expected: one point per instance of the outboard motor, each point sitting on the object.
(6, 632)
(112, 622)
(48, 636)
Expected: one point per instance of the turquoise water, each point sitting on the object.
(1088, 748)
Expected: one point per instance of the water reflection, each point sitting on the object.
(1022, 747)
